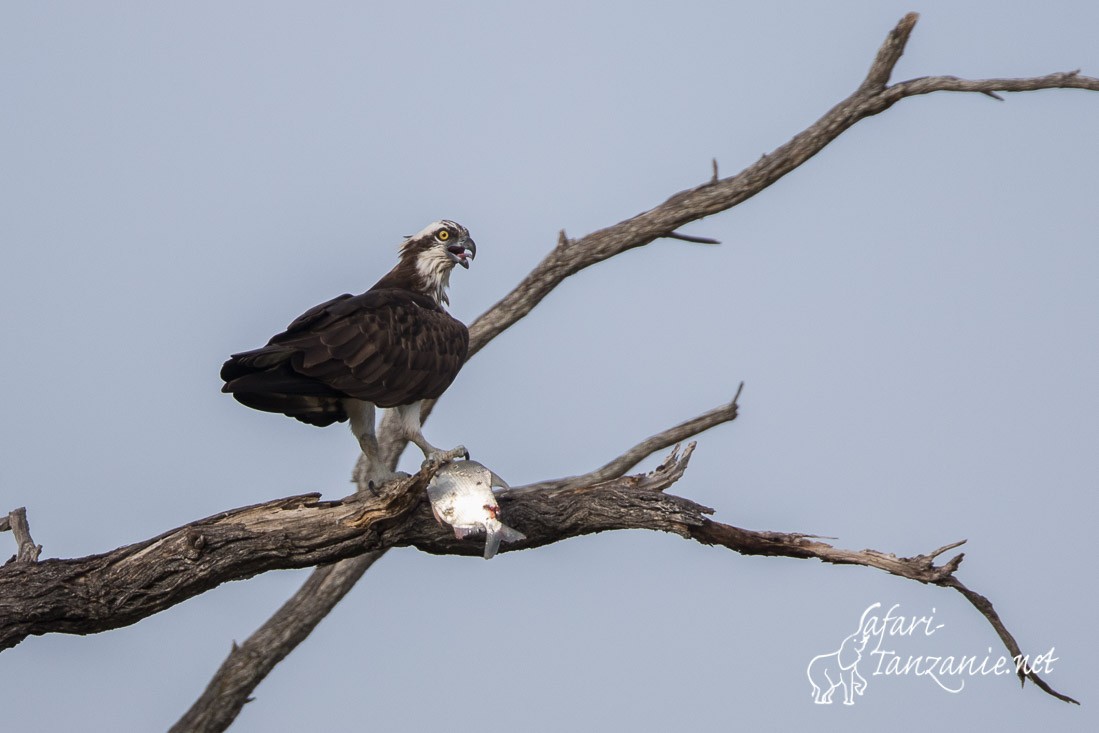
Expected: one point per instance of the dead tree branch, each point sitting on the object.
(16, 521)
(206, 553)
(123, 586)
(92, 594)
(871, 98)
(644, 449)
(249, 663)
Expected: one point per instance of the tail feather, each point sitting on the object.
(311, 409)
(264, 379)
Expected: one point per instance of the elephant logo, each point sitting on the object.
(840, 668)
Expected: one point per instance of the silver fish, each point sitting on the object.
(461, 496)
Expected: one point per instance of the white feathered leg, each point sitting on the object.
(411, 428)
(361, 416)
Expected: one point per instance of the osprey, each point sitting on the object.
(392, 346)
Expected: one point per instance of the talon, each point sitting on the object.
(440, 457)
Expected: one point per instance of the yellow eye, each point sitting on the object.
(443, 235)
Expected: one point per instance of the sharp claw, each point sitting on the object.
(440, 457)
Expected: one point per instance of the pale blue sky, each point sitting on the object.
(913, 312)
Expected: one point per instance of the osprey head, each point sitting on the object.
(434, 251)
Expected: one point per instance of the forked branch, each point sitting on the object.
(16, 522)
(247, 665)
(130, 583)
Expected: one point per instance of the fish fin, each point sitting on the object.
(498, 482)
(505, 533)
(492, 544)
(463, 532)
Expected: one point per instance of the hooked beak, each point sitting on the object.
(463, 252)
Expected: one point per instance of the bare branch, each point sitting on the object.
(120, 587)
(16, 521)
(644, 449)
(246, 666)
(984, 605)
(691, 238)
(889, 54)
(945, 548)
(920, 568)
(989, 87)
(871, 98)
(249, 663)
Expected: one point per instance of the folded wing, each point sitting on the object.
(388, 347)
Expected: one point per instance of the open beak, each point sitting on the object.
(463, 252)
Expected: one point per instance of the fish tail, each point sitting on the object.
(507, 534)
(492, 544)
(494, 536)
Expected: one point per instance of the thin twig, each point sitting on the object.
(644, 449)
(889, 54)
(691, 238)
(984, 605)
(989, 87)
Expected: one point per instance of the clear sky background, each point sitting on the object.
(914, 313)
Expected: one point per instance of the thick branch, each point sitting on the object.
(92, 594)
(118, 588)
(247, 665)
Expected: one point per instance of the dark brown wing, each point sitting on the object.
(389, 347)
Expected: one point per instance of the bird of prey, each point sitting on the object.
(392, 346)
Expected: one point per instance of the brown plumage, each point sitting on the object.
(387, 346)
(392, 346)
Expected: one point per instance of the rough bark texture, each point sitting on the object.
(100, 592)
